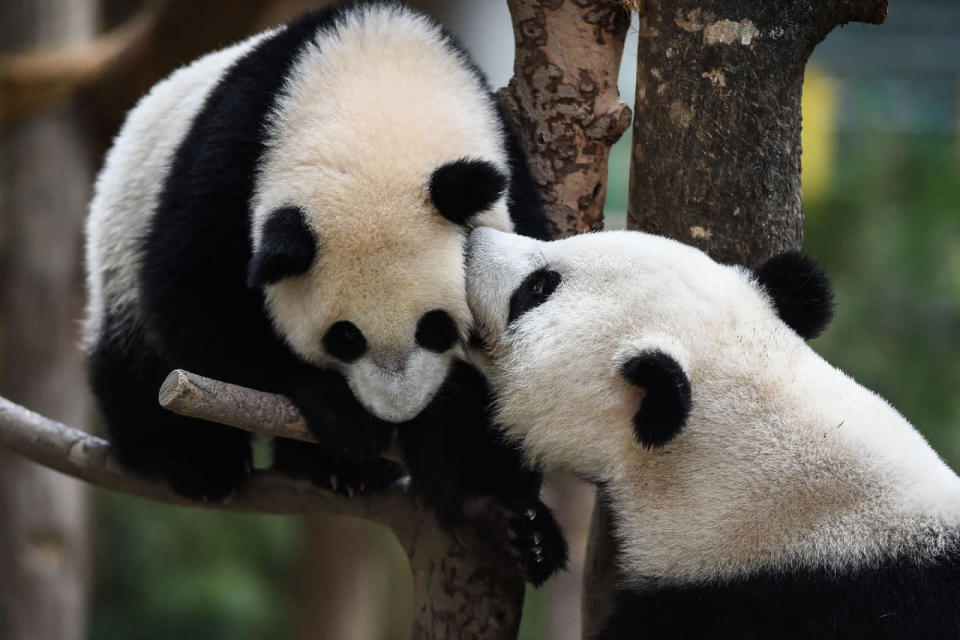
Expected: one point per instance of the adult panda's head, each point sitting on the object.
(384, 150)
(686, 389)
(599, 331)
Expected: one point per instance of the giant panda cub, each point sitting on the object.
(290, 214)
(755, 490)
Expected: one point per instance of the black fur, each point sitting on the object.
(532, 292)
(666, 405)
(436, 331)
(313, 463)
(461, 189)
(344, 341)
(800, 291)
(287, 248)
(526, 209)
(457, 428)
(894, 600)
(199, 314)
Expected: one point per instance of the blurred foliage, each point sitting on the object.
(887, 230)
(174, 572)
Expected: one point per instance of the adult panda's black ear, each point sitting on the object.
(800, 291)
(464, 188)
(287, 248)
(666, 403)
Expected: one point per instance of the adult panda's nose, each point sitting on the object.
(436, 331)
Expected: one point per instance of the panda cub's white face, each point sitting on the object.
(384, 151)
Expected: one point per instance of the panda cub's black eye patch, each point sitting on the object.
(533, 291)
(344, 341)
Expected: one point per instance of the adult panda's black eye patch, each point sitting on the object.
(533, 291)
(666, 405)
(464, 188)
(436, 331)
(344, 341)
(287, 248)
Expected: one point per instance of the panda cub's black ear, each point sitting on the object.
(666, 405)
(464, 188)
(287, 248)
(800, 291)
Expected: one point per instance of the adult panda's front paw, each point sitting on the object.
(537, 540)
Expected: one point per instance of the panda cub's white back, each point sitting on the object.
(756, 491)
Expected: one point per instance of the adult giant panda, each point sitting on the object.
(792, 503)
(290, 214)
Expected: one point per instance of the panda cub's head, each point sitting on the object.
(373, 285)
(383, 150)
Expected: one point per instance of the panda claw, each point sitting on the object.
(536, 541)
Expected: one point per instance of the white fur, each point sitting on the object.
(127, 189)
(784, 459)
(370, 108)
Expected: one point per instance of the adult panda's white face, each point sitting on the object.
(563, 320)
(382, 157)
(685, 387)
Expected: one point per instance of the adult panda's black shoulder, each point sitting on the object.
(755, 490)
(289, 214)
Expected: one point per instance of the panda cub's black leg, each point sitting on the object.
(537, 539)
(200, 460)
(311, 462)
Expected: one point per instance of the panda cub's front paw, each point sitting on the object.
(356, 480)
(538, 541)
(310, 461)
(344, 429)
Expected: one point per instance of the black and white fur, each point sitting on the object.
(756, 491)
(290, 214)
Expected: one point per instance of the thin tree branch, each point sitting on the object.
(196, 396)
(89, 458)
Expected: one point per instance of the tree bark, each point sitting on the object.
(44, 184)
(716, 148)
(564, 102)
(716, 135)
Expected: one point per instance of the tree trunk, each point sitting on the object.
(44, 186)
(716, 135)
(564, 101)
(716, 147)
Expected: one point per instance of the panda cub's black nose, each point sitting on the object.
(436, 331)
